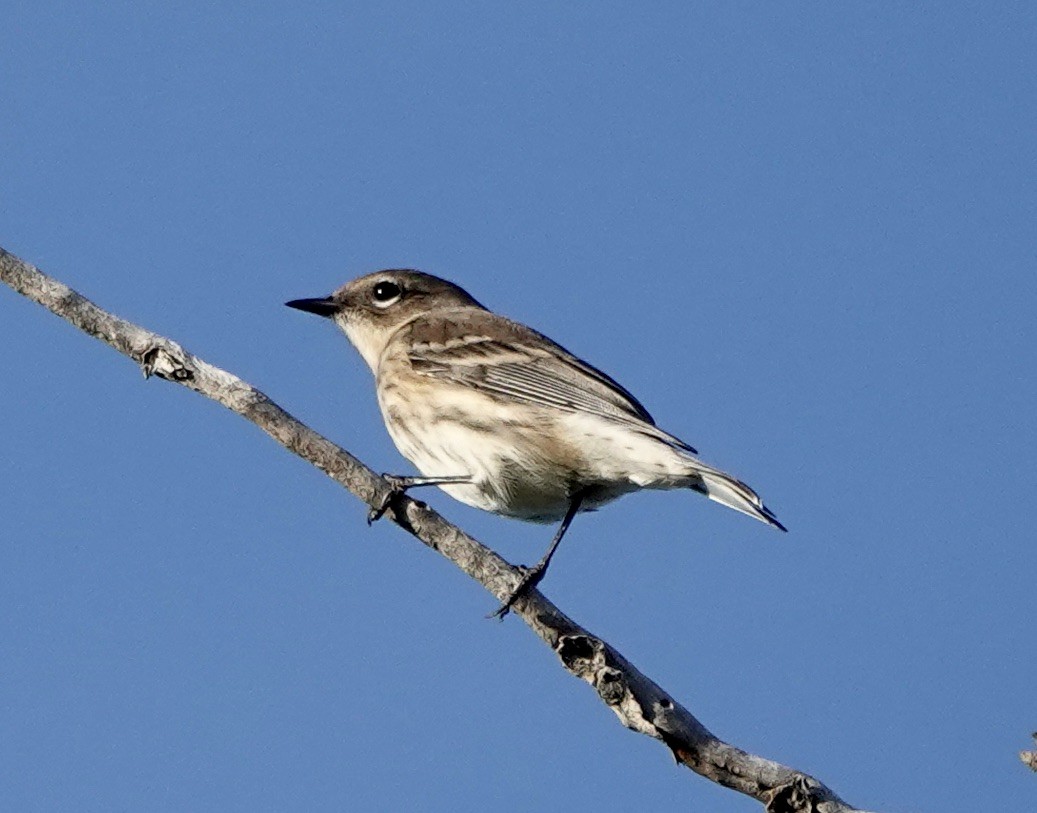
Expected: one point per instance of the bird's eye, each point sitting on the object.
(386, 292)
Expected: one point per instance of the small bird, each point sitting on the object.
(504, 419)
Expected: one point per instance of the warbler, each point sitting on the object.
(502, 417)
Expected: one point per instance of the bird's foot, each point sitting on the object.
(399, 484)
(531, 577)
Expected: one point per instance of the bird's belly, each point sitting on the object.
(518, 466)
(509, 476)
(523, 462)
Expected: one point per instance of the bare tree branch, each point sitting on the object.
(639, 703)
(1029, 758)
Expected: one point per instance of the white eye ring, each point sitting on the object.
(385, 293)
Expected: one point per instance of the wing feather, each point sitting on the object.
(485, 351)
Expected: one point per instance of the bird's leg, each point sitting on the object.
(398, 484)
(533, 575)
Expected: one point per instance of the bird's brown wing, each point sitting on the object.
(492, 354)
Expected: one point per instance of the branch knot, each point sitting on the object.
(802, 794)
(168, 363)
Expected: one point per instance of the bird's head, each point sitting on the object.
(370, 309)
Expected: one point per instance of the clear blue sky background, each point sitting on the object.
(803, 234)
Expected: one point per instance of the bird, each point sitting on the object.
(503, 418)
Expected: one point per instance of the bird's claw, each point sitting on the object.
(531, 577)
(398, 485)
(378, 511)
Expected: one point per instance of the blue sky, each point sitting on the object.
(802, 234)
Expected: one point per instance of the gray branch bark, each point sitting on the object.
(1029, 758)
(639, 703)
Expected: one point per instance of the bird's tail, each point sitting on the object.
(726, 490)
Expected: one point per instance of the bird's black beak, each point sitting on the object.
(326, 306)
